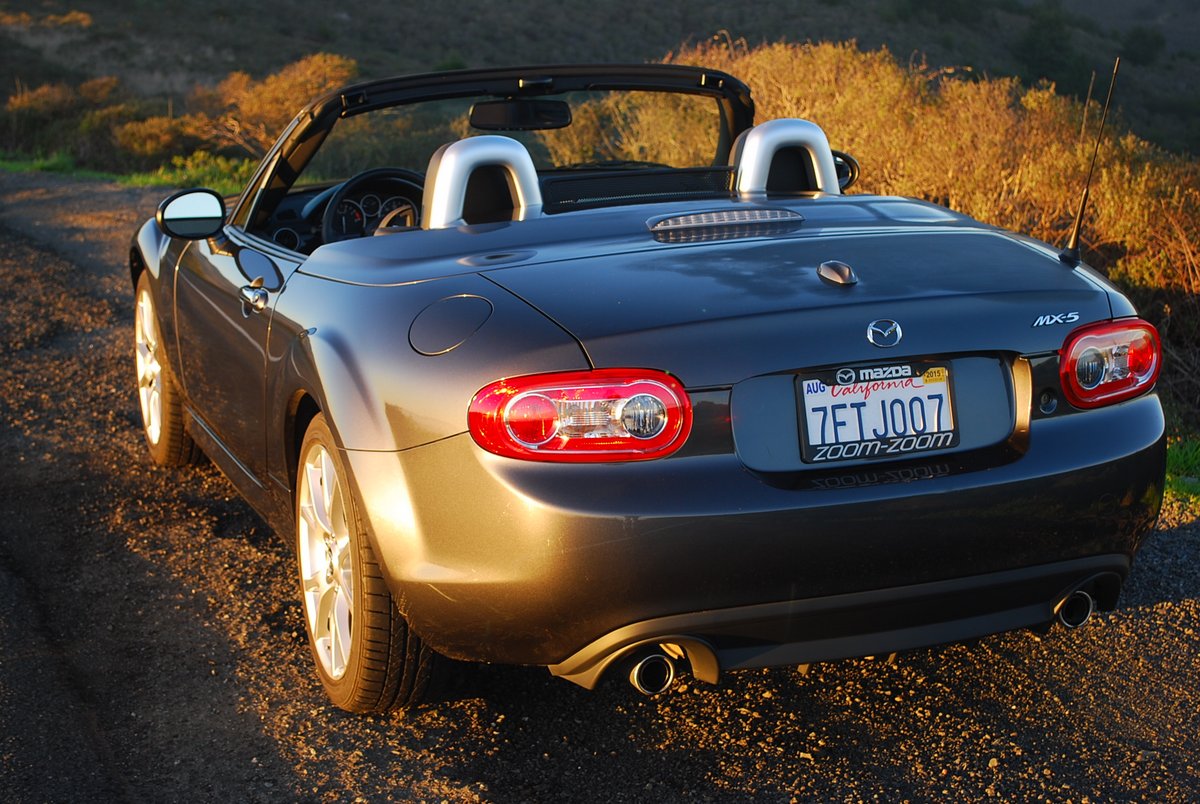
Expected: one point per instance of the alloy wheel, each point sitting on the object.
(149, 370)
(326, 561)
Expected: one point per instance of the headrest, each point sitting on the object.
(450, 171)
(754, 151)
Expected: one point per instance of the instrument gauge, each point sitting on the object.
(349, 220)
(370, 205)
(407, 217)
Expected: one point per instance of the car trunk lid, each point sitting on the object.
(717, 313)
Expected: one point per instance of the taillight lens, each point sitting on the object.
(582, 416)
(1105, 363)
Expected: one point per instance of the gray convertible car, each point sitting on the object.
(579, 367)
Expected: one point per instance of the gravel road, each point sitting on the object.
(152, 649)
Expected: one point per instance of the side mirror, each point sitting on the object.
(847, 169)
(192, 214)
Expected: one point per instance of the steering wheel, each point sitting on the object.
(409, 178)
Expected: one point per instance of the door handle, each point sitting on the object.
(254, 297)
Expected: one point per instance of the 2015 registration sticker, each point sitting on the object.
(876, 412)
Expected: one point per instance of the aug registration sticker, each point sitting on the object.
(876, 412)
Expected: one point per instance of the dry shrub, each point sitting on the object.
(1003, 153)
(666, 128)
(39, 120)
(156, 138)
(20, 19)
(99, 90)
(76, 123)
(47, 100)
(247, 114)
(23, 19)
(78, 19)
(95, 125)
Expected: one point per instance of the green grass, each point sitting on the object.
(200, 169)
(1183, 468)
(55, 163)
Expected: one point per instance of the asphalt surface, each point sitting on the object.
(152, 649)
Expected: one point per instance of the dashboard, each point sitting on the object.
(304, 220)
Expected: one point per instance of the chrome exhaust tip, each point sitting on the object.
(652, 674)
(1077, 609)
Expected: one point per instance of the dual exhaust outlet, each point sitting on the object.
(654, 672)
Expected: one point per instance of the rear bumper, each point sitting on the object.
(573, 566)
(855, 624)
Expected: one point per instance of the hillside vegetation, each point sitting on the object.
(163, 48)
(994, 148)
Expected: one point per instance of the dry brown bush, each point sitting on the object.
(248, 114)
(99, 90)
(46, 100)
(666, 128)
(157, 138)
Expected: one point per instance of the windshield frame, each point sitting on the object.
(294, 149)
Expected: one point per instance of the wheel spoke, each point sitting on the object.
(325, 603)
(153, 414)
(313, 583)
(310, 519)
(147, 327)
(332, 630)
(341, 636)
(344, 563)
(329, 487)
(316, 487)
(337, 508)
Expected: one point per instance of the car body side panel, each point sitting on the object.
(353, 354)
(222, 344)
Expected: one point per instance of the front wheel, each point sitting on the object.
(367, 657)
(158, 393)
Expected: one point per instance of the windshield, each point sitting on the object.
(608, 129)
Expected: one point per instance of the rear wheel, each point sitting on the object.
(158, 393)
(367, 657)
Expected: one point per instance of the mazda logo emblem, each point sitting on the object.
(845, 376)
(884, 333)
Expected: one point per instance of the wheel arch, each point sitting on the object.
(302, 409)
(146, 249)
(136, 264)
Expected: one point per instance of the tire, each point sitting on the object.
(158, 393)
(366, 655)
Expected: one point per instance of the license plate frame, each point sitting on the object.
(893, 397)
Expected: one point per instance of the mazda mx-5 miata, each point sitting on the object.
(578, 367)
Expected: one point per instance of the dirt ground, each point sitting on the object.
(152, 649)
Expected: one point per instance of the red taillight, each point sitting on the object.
(1107, 362)
(582, 416)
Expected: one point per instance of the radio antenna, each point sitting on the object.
(1070, 254)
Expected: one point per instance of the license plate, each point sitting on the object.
(876, 412)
